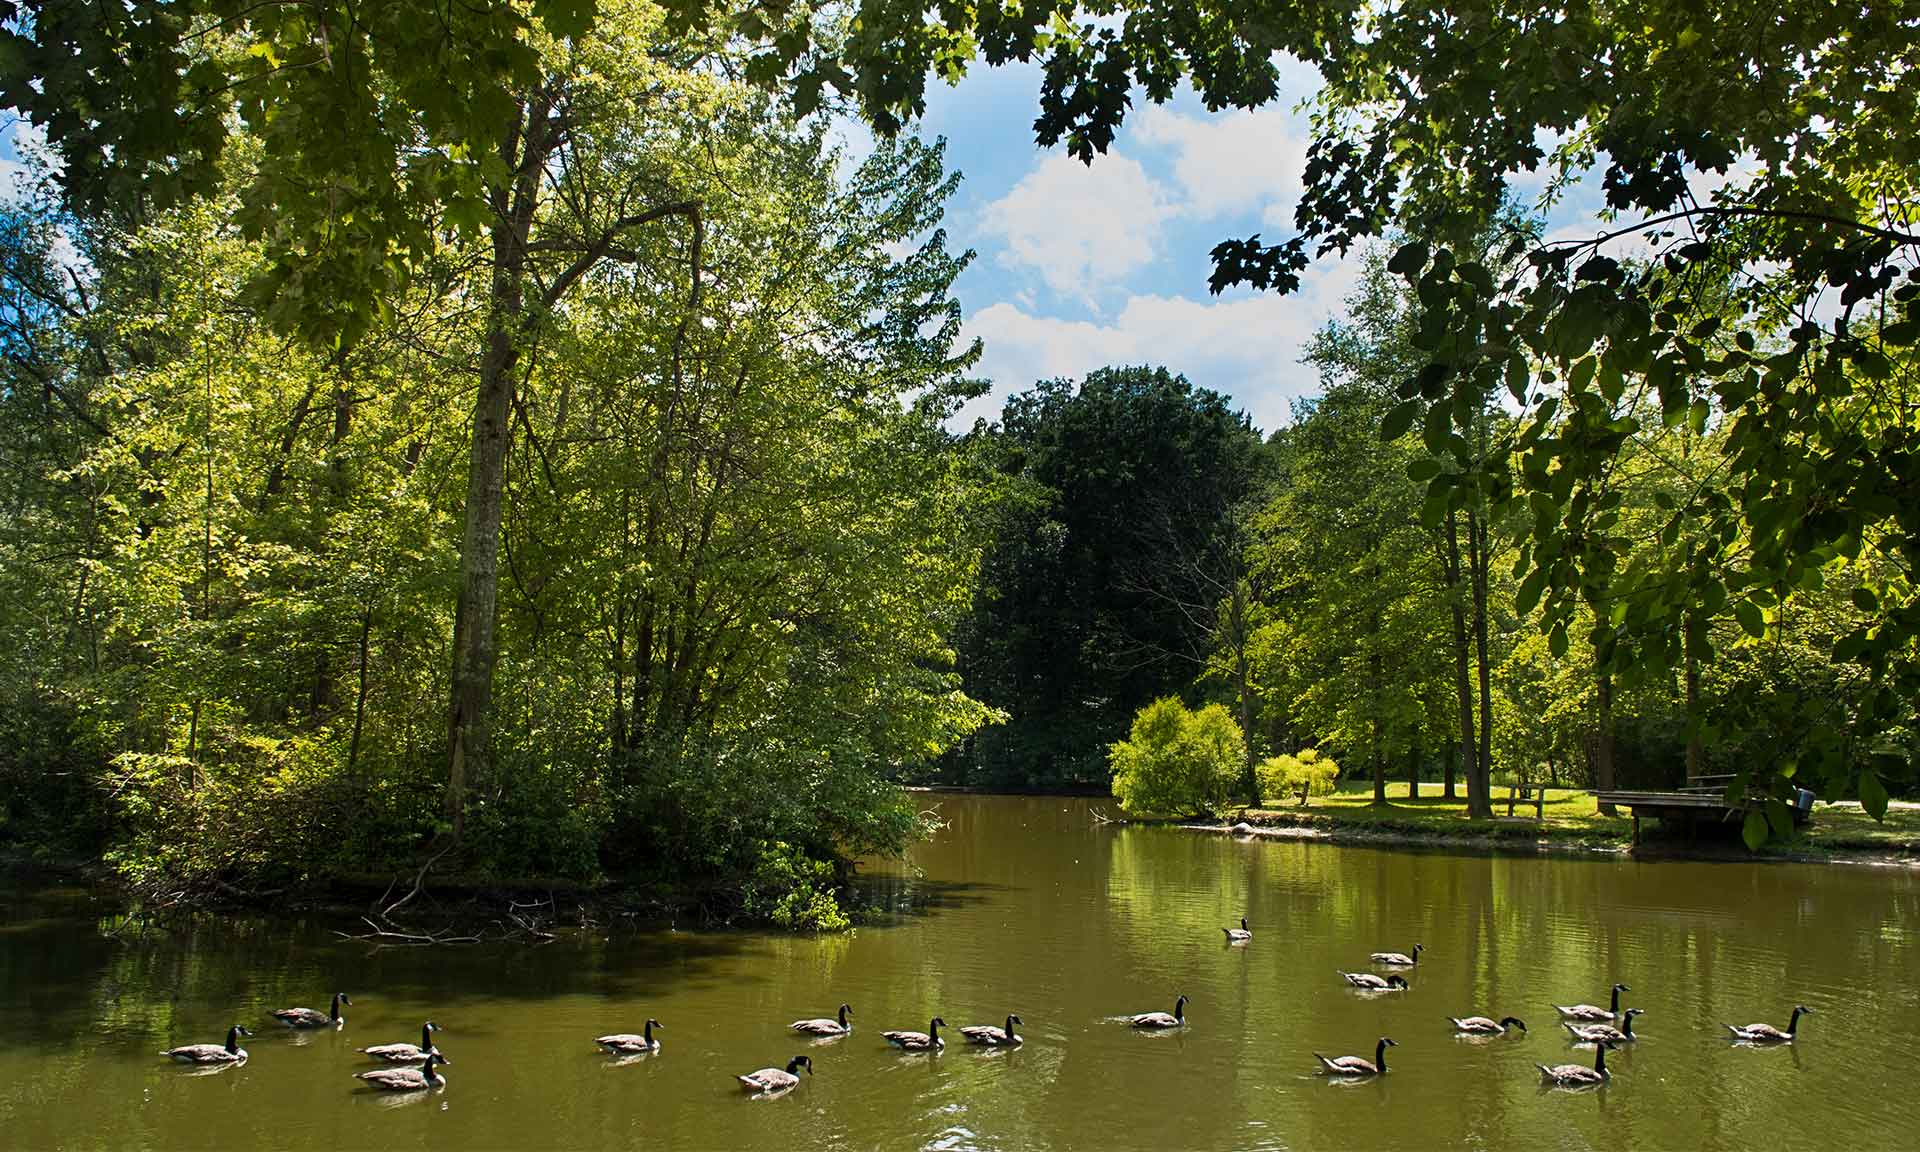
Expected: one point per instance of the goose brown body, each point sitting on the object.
(1176, 1019)
(407, 1079)
(1767, 1033)
(313, 1018)
(824, 1025)
(406, 1053)
(1579, 1075)
(992, 1037)
(1355, 1065)
(1595, 1033)
(228, 1053)
(1368, 982)
(1486, 1025)
(928, 1041)
(1592, 1013)
(630, 1043)
(775, 1079)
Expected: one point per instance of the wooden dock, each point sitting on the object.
(1702, 798)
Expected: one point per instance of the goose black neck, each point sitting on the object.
(233, 1038)
(1793, 1021)
(1626, 1025)
(843, 1015)
(1600, 1058)
(1380, 1055)
(933, 1028)
(1010, 1034)
(1616, 1000)
(647, 1033)
(334, 1013)
(426, 1037)
(1180, 1009)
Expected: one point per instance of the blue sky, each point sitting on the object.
(1080, 267)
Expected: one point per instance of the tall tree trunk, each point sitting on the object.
(1238, 625)
(1452, 761)
(1603, 746)
(1379, 761)
(1413, 764)
(1480, 776)
(1696, 747)
(475, 645)
(1463, 685)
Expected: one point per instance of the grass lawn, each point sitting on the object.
(1570, 816)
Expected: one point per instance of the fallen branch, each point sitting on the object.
(418, 880)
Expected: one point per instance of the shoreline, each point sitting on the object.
(1524, 837)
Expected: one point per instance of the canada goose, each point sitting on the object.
(1579, 1075)
(1354, 1065)
(928, 1041)
(1486, 1025)
(1399, 959)
(993, 1037)
(1161, 1019)
(1368, 982)
(627, 1044)
(1767, 1033)
(824, 1025)
(407, 1079)
(1593, 1013)
(1239, 935)
(406, 1053)
(775, 1080)
(230, 1053)
(1594, 1033)
(312, 1018)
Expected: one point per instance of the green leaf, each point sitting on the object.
(1873, 795)
(1557, 640)
(1409, 260)
(1399, 419)
(1865, 600)
(1754, 829)
(1422, 469)
(1752, 620)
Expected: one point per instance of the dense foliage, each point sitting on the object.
(733, 538)
(1176, 762)
(1103, 586)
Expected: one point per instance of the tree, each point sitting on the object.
(1106, 585)
(1175, 762)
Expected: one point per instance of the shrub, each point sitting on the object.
(793, 891)
(1176, 762)
(1307, 773)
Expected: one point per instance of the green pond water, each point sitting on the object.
(1032, 906)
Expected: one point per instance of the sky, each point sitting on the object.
(1080, 267)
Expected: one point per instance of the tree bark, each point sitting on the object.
(1413, 764)
(1603, 746)
(1239, 626)
(1463, 686)
(1379, 761)
(475, 645)
(1696, 747)
(1480, 777)
(1453, 759)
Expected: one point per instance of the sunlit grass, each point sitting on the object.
(1568, 814)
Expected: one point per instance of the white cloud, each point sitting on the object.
(1247, 346)
(1080, 227)
(1232, 162)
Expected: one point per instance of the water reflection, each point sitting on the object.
(1029, 906)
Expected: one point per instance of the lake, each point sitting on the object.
(1030, 906)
